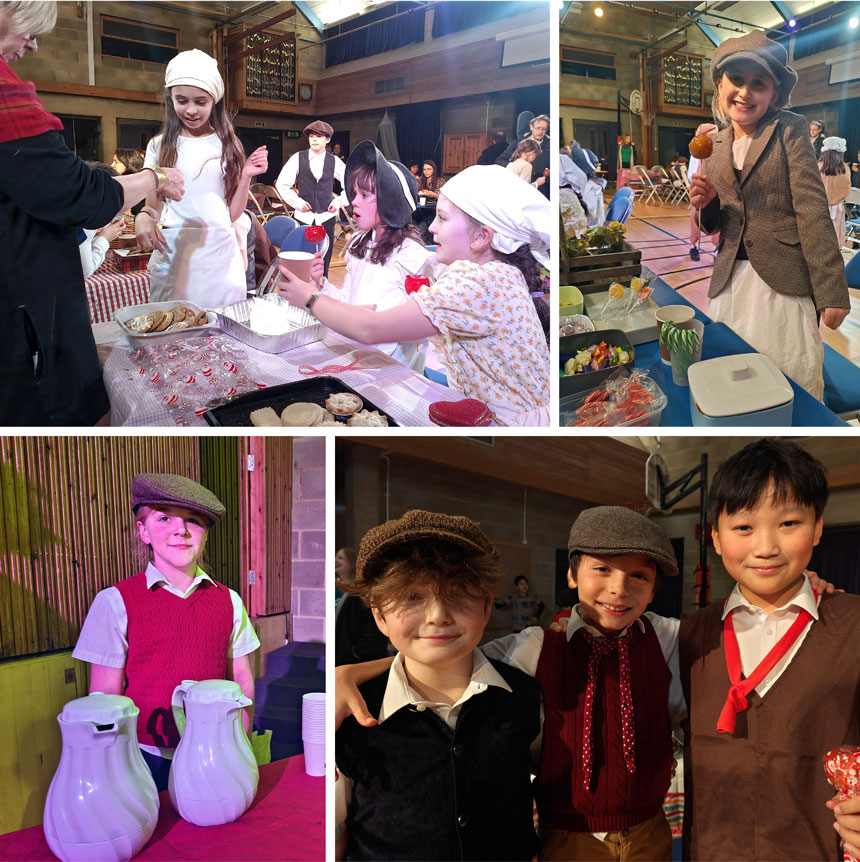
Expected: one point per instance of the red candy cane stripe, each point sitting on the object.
(310, 371)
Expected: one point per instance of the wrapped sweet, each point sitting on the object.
(595, 358)
(842, 766)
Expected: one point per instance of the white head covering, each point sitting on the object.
(195, 69)
(516, 211)
(834, 143)
(570, 174)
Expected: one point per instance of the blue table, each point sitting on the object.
(720, 340)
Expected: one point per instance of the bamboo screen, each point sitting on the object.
(221, 472)
(66, 529)
(279, 533)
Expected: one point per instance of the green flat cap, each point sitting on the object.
(414, 526)
(615, 530)
(168, 489)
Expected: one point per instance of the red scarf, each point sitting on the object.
(736, 700)
(22, 115)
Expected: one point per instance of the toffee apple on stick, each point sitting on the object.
(701, 147)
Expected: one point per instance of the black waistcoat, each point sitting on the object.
(425, 792)
(317, 192)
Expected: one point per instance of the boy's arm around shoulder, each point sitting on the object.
(347, 698)
(521, 650)
(667, 629)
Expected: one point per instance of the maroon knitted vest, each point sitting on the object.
(616, 799)
(171, 639)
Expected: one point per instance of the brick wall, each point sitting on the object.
(308, 519)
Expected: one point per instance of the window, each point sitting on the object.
(587, 64)
(682, 80)
(83, 136)
(270, 73)
(133, 40)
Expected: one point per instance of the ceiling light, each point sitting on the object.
(853, 22)
(792, 22)
(598, 11)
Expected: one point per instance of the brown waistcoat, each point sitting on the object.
(760, 792)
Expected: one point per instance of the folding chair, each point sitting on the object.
(674, 188)
(254, 205)
(278, 228)
(621, 206)
(275, 201)
(650, 189)
(258, 190)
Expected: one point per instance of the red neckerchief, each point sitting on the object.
(21, 112)
(599, 648)
(736, 699)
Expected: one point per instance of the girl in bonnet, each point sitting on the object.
(492, 230)
(837, 182)
(387, 248)
(196, 254)
(778, 266)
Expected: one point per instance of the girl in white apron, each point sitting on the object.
(196, 256)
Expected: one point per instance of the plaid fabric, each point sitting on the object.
(21, 112)
(109, 289)
(779, 208)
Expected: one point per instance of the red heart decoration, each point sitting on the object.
(468, 412)
(315, 233)
(416, 282)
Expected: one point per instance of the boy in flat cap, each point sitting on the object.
(171, 622)
(313, 171)
(445, 773)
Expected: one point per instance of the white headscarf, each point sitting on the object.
(195, 69)
(834, 143)
(516, 211)
(570, 174)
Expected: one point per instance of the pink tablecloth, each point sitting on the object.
(286, 821)
(109, 289)
(625, 175)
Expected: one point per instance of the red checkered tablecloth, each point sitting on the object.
(108, 289)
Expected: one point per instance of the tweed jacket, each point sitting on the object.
(779, 209)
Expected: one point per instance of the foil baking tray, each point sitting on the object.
(235, 321)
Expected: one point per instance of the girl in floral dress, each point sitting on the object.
(492, 231)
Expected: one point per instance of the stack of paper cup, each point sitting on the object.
(313, 732)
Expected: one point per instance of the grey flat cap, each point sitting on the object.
(168, 489)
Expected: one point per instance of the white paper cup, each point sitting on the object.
(675, 313)
(298, 263)
(315, 758)
(681, 362)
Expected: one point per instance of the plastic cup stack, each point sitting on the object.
(313, 732)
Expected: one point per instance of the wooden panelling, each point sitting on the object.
(813, 87)
(448, 74)
(221, 472)
(32, 695)
(462, 151)
(594, 469)
(279, 494)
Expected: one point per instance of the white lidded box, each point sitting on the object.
(744, 389)
(146, 339)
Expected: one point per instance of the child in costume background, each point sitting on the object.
(196, 254)
(306, 183)
(170, 622)
(771, 676)
(387, 247)
(400, 794)
(778, 264)
(492, 231)
(837, 182)
(522, 160)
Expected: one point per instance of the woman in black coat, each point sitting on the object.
(51, 374)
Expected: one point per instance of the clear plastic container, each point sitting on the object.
(618, 402)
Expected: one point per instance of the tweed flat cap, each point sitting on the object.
(168, 489)
(757, 48)
(396, 188)
(319, 127)
(413, 526)
(614, 530)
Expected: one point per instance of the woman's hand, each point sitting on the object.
(701, 191)
(706, 128)
(293, 289)
(147, 234)
(112, 230)
(175, 188)
(833, 317)
(257, 162)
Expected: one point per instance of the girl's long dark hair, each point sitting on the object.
(132, 159)
(526, 146)
(232, 151)
(831, 163)
(423, 183)
(364, 178)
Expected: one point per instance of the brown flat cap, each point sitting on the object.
(614, 530)
(757, 48)
(319, 127)
(414, 526)
(168, 489)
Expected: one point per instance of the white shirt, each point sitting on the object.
(104, 635)
(287, 179)
(399, 695)
(384, 285)
(758, 631)
(93, 250)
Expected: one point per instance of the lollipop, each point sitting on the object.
(616, 292)
(315, 233)
(842, 766)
